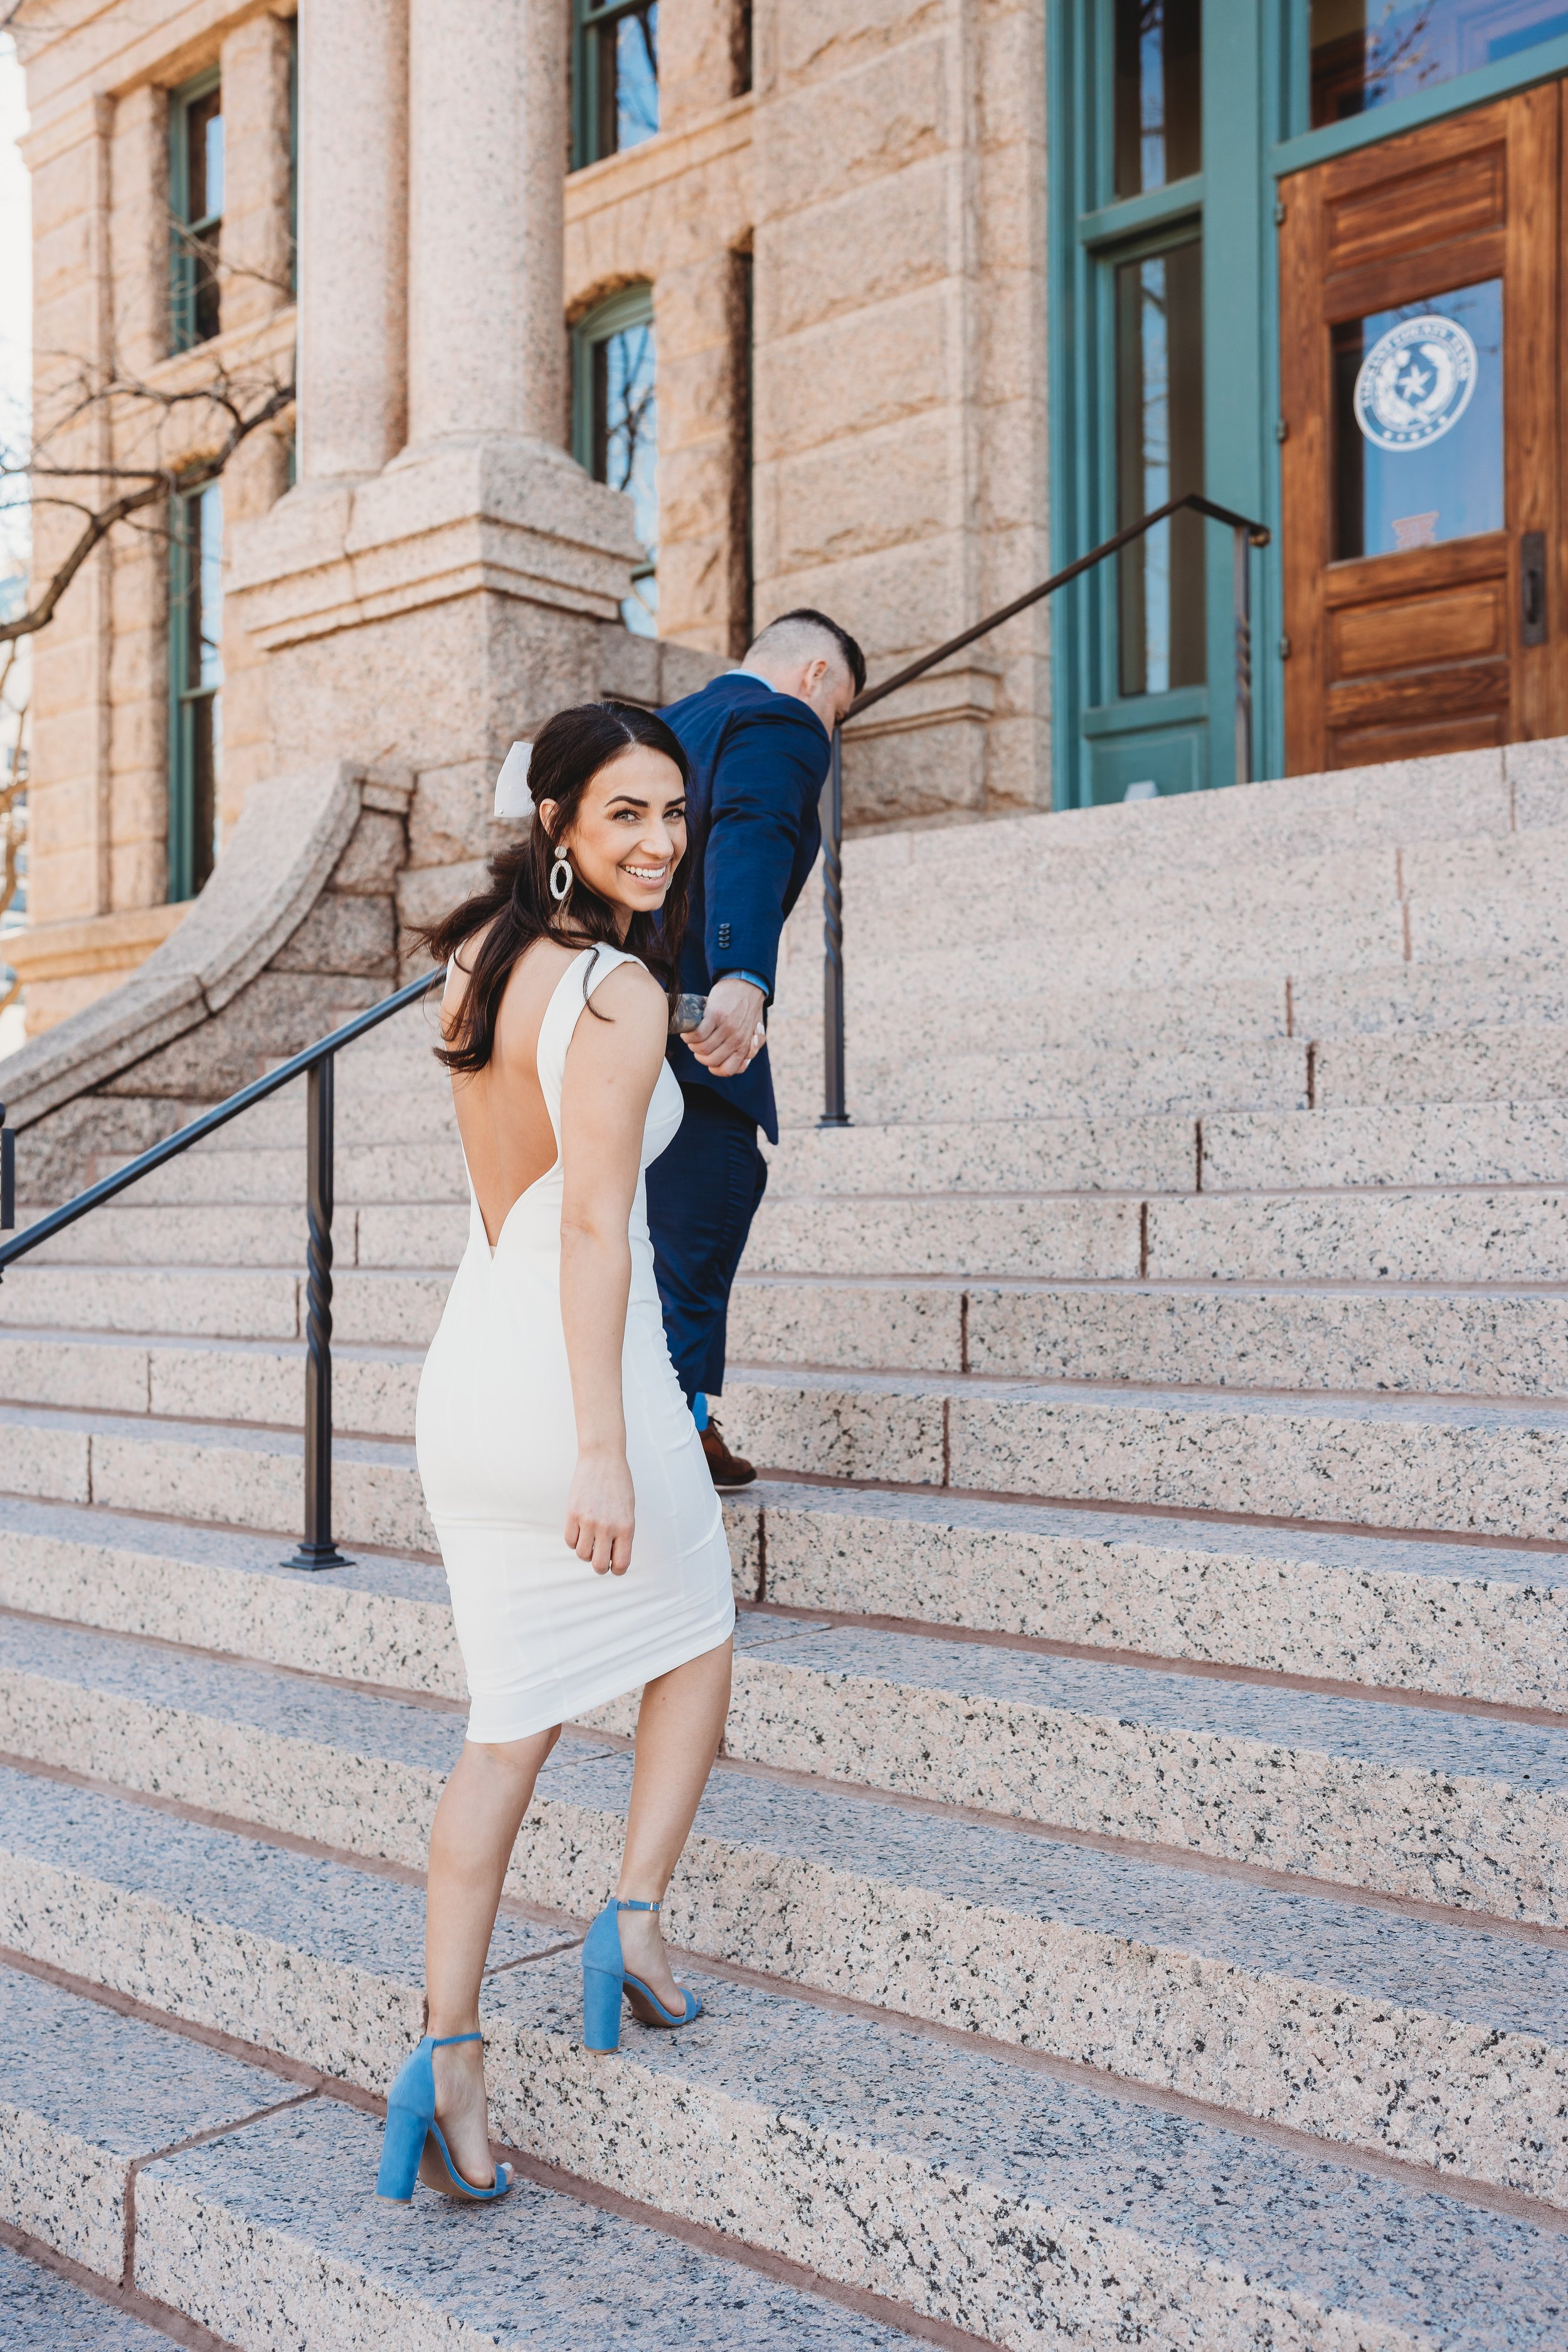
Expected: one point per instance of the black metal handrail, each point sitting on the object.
(317, 1065)
(1245, 534)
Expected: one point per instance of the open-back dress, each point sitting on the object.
(542, 1637)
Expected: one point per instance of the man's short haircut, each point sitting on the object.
(780, 638)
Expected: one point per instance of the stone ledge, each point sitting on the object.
(274, 865)
(117, 942)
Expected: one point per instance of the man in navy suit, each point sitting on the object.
(758, 739)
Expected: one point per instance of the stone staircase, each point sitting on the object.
(1132, 1902)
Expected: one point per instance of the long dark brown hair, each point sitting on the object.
(516, 908)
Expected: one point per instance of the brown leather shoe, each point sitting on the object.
(725, 1469)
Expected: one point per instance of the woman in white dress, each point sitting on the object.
(584, 1543)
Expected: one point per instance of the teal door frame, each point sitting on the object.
(1255, 109)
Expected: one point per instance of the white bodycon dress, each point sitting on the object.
(542, 1637)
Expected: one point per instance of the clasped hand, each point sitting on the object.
(601, 1512)
(732, 1035)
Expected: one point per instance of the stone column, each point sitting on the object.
(441, 607)
(353, 177)
(488, 156)
(257, 258)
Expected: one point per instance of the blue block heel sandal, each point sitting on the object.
(604, 1979)
(411, 2126)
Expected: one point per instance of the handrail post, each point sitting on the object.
(7, 1174)
(316, 1548)
(834, 1112)
(1242, 600)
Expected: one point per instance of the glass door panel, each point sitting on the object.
(1418, 411)
(1367, 52)
(1160, 454)
(1158, 94)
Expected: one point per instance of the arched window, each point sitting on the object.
(615, 413)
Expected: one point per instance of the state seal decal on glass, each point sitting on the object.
(1416, 383)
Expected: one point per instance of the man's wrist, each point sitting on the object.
(752, 980)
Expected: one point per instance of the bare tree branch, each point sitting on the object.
(159, 482)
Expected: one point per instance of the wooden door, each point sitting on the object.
(1421, 356)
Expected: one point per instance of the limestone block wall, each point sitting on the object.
(97, 89)
(901, 473)
(873, 170)
(297, 930)
(886, 172)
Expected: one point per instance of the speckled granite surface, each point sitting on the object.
(1447, 2046)
(40, 2312)
(275, 2230)
(84, 2091)
(1012, 2203)
(1003, 2201)
(1467, 1619)
(383, 1620)
(1470, 1467)
(1445, 1807)
(336, 1765)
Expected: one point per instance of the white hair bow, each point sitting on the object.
(513, 799)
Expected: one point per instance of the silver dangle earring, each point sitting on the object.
(561, 879)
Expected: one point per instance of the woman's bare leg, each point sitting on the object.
(474, 1829)
(679, 1729)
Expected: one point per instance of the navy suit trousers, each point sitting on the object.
(703, 1193)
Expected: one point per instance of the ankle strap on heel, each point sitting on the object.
(445, 2041)
(631, 1903)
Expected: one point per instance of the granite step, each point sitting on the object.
(45, 2312)
(1430, 1805)
(379, 1115)
(1119, 1081)
(1450, 1235)
(1483, 1143)
(373, 1389)
(1443, 1235)
(1517, 1233)
(885, 994)
(1441, 2045)
(1040, 1155)
(1467, 1467)
(240, 1173)
(1524, 1063)
(237, 1235)
(370, 1308)
(131, 1233)
(829, 2128)
(949, 1080)
(225, 1473)
(273, 2235)
(1457, 1620)
(1441, 1342)
(1421, 1465)
(1472, 899)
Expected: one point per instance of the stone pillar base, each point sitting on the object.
(438, 610)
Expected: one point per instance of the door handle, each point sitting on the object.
(1532, 588)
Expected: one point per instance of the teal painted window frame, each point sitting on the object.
(183, 263)
(1094, 232)
(587, 15)
(187, 869)
(631, 307)
(1256, 87)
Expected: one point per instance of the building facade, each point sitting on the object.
(621, 325)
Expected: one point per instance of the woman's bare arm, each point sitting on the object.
(612, 1067)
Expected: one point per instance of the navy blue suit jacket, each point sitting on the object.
(758, 761)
